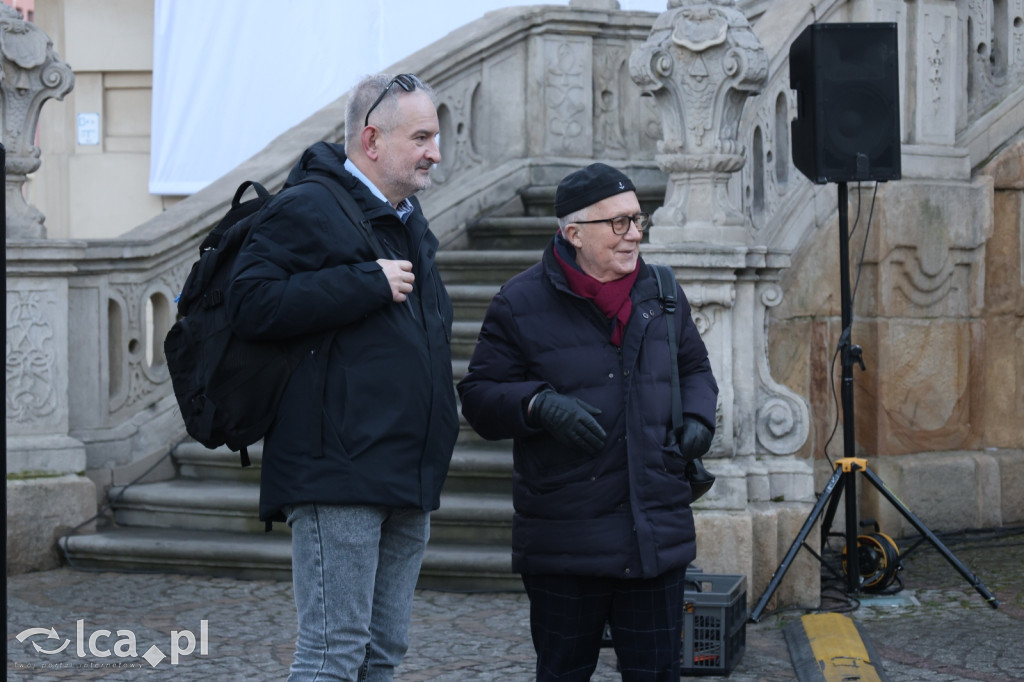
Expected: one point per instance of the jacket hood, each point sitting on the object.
(321, 158)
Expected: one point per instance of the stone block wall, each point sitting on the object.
(41, 510)
(939, 312)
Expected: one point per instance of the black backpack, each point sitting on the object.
(228, 389)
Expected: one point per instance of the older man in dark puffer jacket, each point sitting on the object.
(573, 363)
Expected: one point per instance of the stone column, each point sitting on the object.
(30, 73)
(700, 63)
(47, 495)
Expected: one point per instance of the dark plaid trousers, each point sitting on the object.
(567, 617)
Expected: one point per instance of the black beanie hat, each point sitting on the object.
(588, 186)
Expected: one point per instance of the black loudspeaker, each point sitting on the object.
(848, 102)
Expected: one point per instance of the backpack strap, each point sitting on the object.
(352, 211)
(699, 478)
(236, 212)
(667, 295)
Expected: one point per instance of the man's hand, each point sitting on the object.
(568, 419)
(400, 277)
(694, 439)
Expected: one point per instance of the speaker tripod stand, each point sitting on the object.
(843, 481)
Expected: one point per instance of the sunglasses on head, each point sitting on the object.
(406, 81)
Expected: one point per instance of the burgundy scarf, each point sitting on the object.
(611, 298)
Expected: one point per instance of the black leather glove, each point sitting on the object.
(694, 438)
(568, 419)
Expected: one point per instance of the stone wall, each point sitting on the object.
(939, 312)
(98, 187)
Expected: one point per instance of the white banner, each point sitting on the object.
(230, 76)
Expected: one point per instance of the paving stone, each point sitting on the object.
(938, 629)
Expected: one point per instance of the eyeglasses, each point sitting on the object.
(620, 224)
(406, 81)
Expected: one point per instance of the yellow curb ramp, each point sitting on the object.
(829, 647)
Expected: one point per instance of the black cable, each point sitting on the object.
(864, 245)
(853, 298)
(856, 218)
(964, 538)
(106, 507)
(835, 403)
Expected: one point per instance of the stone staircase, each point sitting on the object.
(205, 519)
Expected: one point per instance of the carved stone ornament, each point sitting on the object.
(30, 73)
(32, 363)
(700, 63)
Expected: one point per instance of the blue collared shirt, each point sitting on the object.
(404, 208)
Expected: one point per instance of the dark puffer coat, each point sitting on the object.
(384, 386)
(624, 512)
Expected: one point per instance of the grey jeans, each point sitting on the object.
(354, 572)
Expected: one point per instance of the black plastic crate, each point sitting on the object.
(714, 624)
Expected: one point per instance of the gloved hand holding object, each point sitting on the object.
(694, 438)
(568, 419)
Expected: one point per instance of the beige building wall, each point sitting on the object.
(87, 186)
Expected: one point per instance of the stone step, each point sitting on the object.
(484, 267)
(459, 368)
(471, 300)
(196, 461)
(468, 568)
(481, 467)
(478, 519)
(250, 556)
(538, 200)
(512, 232)
(190, 504)
(221, 505)
(267, 556)
(464, 337)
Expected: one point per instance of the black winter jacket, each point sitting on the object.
(384, 386)
(624, 512)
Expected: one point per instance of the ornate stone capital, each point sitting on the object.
(30, 73)
(700, 63)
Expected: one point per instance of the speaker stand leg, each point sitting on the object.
(830, 492)
(970, 577)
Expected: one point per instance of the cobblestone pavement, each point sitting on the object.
(937, 629)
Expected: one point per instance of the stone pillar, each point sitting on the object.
(30, 73)
(46, 493)
(700, 63)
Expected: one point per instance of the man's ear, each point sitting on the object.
(369, 139)
(572, 235)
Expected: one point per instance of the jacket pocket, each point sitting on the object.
(552, 468)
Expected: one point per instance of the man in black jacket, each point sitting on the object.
(361, 445)
(573, 363)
